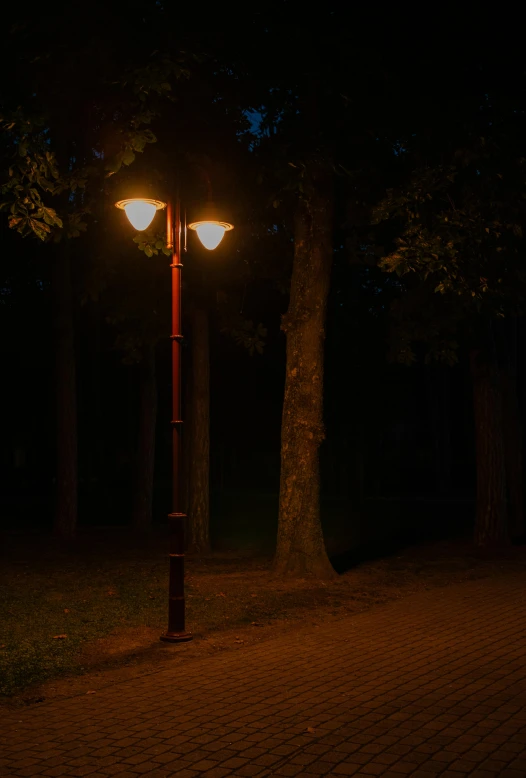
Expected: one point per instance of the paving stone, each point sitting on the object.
(430, 685)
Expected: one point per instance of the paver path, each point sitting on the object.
(434, 684)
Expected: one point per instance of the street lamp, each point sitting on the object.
(210, 230)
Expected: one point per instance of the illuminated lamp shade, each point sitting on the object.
(211, 233)
(140, 212)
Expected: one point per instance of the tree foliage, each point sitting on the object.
(458, 233)
(80, 109)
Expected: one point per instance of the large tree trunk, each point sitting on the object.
(491, 526)
(513, 453)
(199, 433)
(355, 471)
(65, 520)
(143, 501)
(94, 441)
(438, 383)
(300, 547)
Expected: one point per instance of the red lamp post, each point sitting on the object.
(210, 231)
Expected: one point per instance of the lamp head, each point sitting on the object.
(210, 233)
(210, 227)
(140, 211)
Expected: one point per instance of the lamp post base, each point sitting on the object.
(176, 637)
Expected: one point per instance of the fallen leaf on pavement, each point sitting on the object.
(221, 594)
(59, 637)
(91, 692)
(310, 730)
(66, 610)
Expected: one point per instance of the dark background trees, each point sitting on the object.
(417, 164)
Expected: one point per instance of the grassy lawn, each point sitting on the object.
(62, 608)
(81, 595)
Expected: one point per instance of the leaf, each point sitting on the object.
(92, 691)
(66, 610)
(128, 157)
(59, 637)
(310, 730)
(114, 166)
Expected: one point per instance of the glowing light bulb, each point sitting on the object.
(210, 234)
(140, 212)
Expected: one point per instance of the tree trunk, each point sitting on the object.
(491, 528)
(300, 547)
(143, 501)
(199, 433)
(438, 389)
(94, 440)
(65, 520)
(513, 453)
(355, 474)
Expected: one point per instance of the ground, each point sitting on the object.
(107, 598)
(428, 685)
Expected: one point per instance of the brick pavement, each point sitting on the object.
(431, 685)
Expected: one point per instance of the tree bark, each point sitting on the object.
(355, 472)
(95, 439)
(143, 501)
(300, 547)
(199, 433)
(513, 453)
(65, 519)
(438, 383)
(491, 527)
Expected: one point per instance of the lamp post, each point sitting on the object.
(210, 230)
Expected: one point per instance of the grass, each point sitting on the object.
(100, 587)
(97, 586)
(83, 598)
